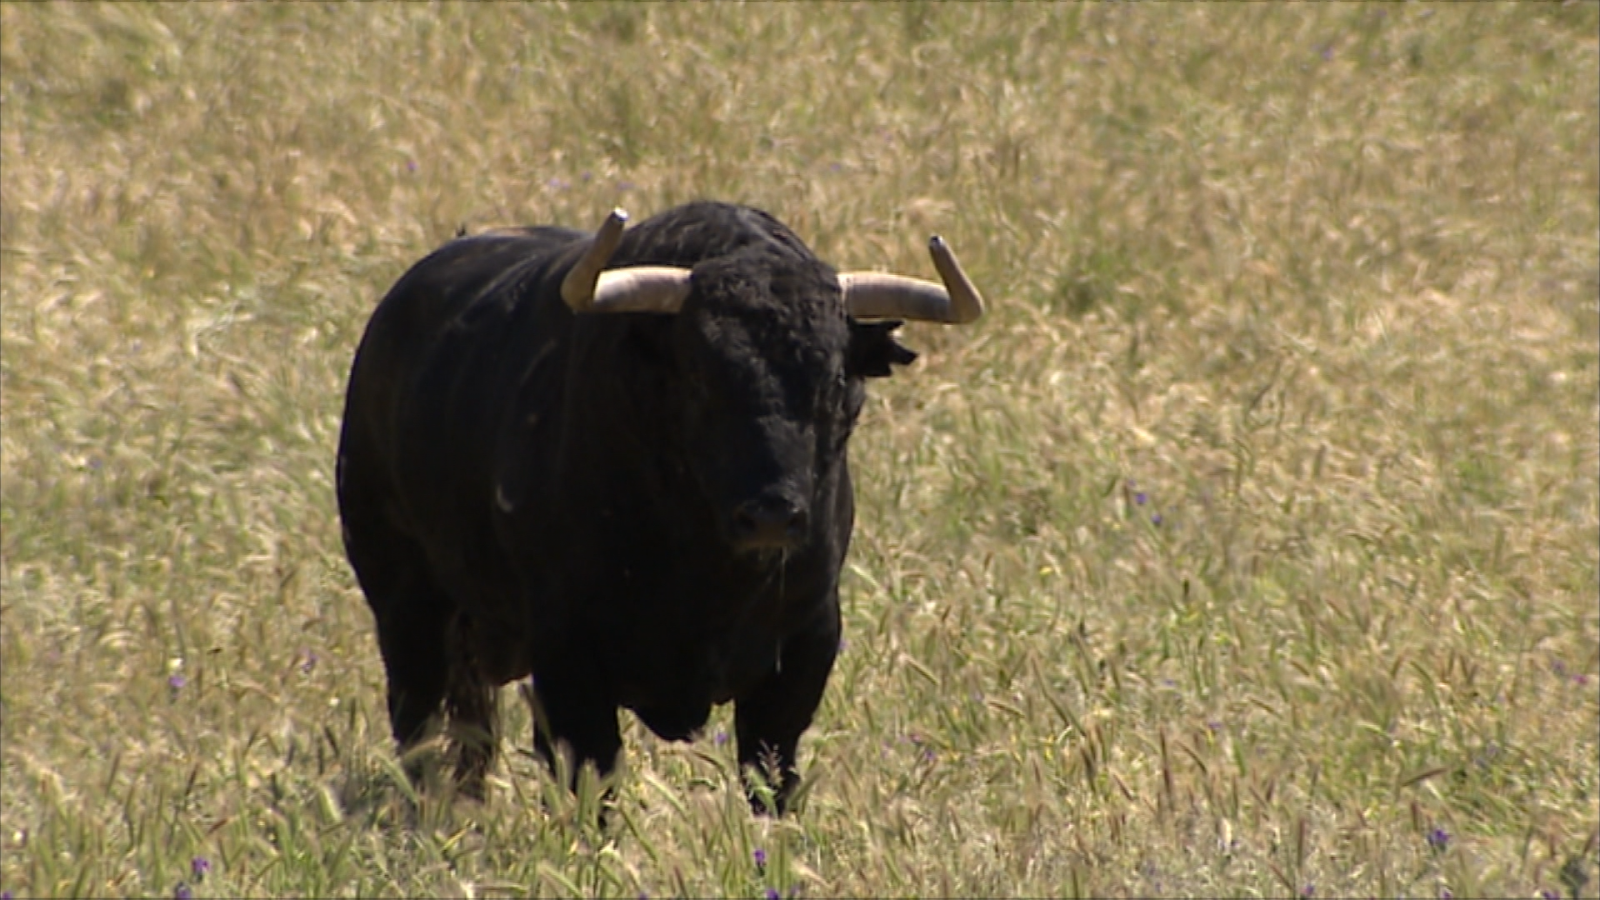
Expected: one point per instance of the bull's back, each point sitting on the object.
(424, 392)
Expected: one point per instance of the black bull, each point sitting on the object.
(646, 509)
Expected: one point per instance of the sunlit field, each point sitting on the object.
(1248, 547)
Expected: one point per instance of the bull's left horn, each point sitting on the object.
(587, 289)
(877, 295)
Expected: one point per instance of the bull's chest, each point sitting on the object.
(697, 643)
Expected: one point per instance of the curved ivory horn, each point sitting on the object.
(660, 289)
(878, 295)
(587, 289)
(579, 286)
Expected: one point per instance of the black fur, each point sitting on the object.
(526, 491)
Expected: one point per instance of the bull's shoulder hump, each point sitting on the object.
(550, 236)
(482, 261)
(501, 248)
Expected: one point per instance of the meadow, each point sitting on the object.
(1248, 547)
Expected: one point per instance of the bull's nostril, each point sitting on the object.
(769, 522)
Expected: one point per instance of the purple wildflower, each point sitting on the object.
(5, 895)
(199, 867)
(1438, 840)
(760, 857)
(1309, 890)
(772, 894)
(182, 892)
(308, 661)
(1140, 498)
(721, 738)
(176, 682)
(1548, 894)
(1486, 757)
(1445, 894)
(1155, 518)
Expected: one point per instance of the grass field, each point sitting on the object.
(1247, 548)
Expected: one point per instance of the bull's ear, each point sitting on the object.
(873, 349)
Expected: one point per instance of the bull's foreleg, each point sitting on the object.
(575, 717)
(769, 721)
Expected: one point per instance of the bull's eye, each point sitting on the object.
(838, 407)
(852, 396)
(829, 398)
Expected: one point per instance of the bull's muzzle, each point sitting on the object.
(768, 523)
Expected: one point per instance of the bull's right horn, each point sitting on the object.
(579, 286)
(878, 295)
(659, 289)
(588, 289)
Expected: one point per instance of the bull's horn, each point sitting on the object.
(633, 289)
(578, 287)
(642, 289)
(877, 295)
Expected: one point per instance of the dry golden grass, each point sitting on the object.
(1248, 547)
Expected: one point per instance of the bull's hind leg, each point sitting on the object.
(411, 613)
(411, 639)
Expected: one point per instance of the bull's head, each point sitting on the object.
(761, 369)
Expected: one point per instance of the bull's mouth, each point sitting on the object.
(764, 549)
(768, 559)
